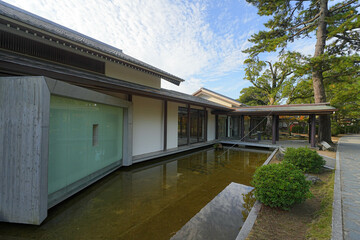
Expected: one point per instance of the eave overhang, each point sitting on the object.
(284, 110)
(15, 18)
(19, 64)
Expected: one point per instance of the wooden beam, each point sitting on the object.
(313, 129)
(165, 123)
(273, 129)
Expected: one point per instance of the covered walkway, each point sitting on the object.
(237, 118)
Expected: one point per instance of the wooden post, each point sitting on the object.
(129, 97)
(216, 126)
(277, 128)
(309, 128)
(188, 125)
(242, 127)
(273, 129)
(313, 130)
(165, 124)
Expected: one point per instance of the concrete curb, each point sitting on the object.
(337, 218)
(250, 220)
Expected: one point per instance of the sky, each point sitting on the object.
(197, 40)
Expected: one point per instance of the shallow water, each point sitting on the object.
(151, 200)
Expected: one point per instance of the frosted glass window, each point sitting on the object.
(84, 137)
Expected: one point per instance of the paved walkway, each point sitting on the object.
(349, 155)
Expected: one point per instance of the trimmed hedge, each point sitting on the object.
(305, 159)
(281, 185)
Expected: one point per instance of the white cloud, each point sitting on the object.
(175, 36)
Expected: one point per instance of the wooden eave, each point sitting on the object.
(21, 65)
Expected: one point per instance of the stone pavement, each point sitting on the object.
(349, 156)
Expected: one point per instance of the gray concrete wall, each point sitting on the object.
(24, 125)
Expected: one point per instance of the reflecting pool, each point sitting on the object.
(150, 200)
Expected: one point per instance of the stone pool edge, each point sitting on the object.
(337, 218)
(250, 220)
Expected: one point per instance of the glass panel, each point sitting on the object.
(234, 125)
(84, 137)
(182, 126)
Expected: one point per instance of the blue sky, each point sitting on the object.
(200, 41)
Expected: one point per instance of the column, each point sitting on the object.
(313, 129)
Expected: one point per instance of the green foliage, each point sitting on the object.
(276, 80)
(335, 128)
(290, 20)
(305, 159)
(280, 185)
(298, 129)
(253, 96)
(338, 63)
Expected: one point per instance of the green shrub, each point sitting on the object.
(281, 185)
(297, 129)
(305, 159)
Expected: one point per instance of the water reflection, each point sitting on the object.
(249, 201)
(219, 219)
(147, 201)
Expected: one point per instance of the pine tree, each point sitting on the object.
(337, 31)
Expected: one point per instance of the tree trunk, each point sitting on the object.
(318, 83)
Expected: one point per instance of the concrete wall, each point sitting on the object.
(148, 132)
(24, 126)
(24, 135)
(121, 72)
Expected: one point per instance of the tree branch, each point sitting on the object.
(344, 5)
(303, 29)
(303, 23)
(346, 38)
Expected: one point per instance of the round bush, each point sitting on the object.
(305, 159)
(280, 185)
